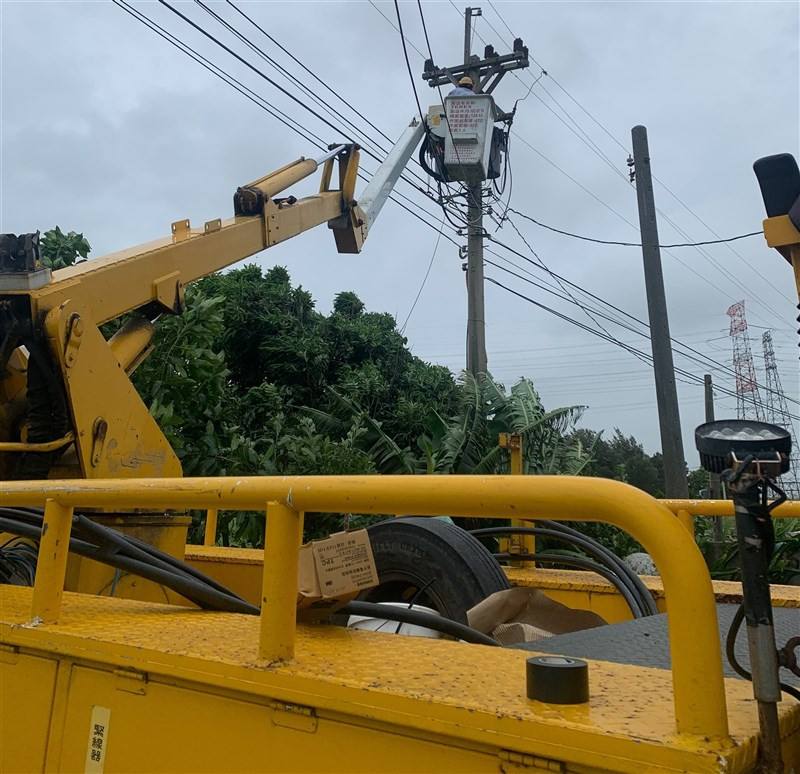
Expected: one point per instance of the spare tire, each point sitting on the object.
(432, 563)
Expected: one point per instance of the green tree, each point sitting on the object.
(467, 440)
(59, 250)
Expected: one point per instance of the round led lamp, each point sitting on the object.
(716, 441)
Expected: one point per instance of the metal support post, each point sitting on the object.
(675, 482)
(279, 584)
(714, 482)
(517, 544)
(752, 528)
(51, 565)
(210, 534)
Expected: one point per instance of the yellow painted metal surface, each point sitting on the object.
(278, 609)
(789, 510)
(27, 684)
(238, 569)
(210, 528)
(116, 434)
(186, 681)
(694, 639)
(51, 566)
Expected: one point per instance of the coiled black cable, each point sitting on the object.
(637, 589)
(582, 563)
(419, 618)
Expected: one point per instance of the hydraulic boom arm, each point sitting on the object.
(68, 406)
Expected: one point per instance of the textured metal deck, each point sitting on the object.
(644, 642)
(467, 694)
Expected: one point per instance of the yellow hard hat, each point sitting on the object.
(465, 80)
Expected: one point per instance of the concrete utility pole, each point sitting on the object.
(476, 315)
(486, 74)
(669, 418)
(714, 482)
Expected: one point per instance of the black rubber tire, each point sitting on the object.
(452, 570)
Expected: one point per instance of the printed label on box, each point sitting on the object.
(345, 563)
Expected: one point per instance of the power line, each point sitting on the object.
(258, 100)
(631, 244)
(308, 70)
(408, 61)
(708, 360)
(690, 241)
(425, 278)
(394, 26)
(598, 333)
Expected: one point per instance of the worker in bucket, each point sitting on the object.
(465, 88)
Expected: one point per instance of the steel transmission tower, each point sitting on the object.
(777, 412)
(748, 400)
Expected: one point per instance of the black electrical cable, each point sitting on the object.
(565, 287)
(200, 592)
(593, 549)
(326, 106)
(419, 618)
(583, 564)
(122, 543)
(260, 102)
(694, 377)
(644, 592)
(730, 653)
(632, 244)
(307, 69)
(706, 359)
(408, 61)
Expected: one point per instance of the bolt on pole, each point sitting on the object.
(669, 419)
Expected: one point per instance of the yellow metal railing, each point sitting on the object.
(698, 689)
(709, 508)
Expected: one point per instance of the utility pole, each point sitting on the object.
(714, 481)
(476, 314)
(669, 418)
(486, 74)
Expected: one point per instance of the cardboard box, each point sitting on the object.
(333, 571)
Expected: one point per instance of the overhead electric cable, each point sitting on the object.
(408, 61)
(690, 242)
(560, 282)
(258, 100)
(631, 244)
(694, 377)
(335, 114)
(307, 69)
(425, 278)
(707, 360)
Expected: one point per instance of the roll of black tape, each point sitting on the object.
(557, 679)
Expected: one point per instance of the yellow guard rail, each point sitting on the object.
(698, 689)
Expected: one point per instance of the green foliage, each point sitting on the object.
(227, 380)
(622, 458)
(59, 249)
(784, 567)
(467, 441)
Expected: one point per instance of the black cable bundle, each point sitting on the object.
(602, 561)
(129, 554)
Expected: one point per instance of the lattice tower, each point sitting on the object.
(748, 399)
(776, 410)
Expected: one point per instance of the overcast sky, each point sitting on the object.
(109, 130)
